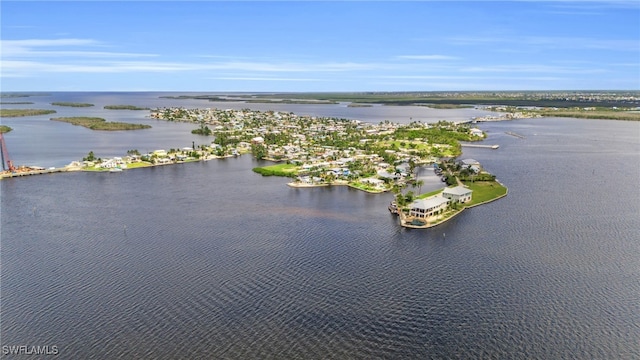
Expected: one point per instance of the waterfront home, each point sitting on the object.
(469, 162)
(432, 206)
(373, 181)
(458, 194)
(108, 164)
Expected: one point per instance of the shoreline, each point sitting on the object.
(73, 168)
(337, 183)
(404, 223)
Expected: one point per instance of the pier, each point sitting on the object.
(481, 146)
(27, 172)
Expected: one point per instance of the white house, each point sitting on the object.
(469, 162)
(373, 181)
(458, 194)
(428, 207)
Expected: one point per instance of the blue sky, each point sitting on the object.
(319, 46)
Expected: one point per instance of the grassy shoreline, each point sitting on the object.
(483, 192)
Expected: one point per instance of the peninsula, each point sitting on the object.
(316, 151)
(321, 151)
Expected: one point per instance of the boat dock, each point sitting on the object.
(481, 146)
(27, 172)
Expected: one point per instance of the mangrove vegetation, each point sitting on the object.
(125, 107)
(24, 112)
(96, 123)
(71, 104)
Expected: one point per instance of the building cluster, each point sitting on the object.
(326, 149)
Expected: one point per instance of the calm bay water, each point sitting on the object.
(209, 260)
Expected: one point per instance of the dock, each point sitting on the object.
(7, 174)
(481, 146)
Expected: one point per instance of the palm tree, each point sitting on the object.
(419, 184)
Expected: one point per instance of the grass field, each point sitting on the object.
(485, 191)
(289, 170)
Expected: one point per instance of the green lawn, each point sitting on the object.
(365, 187)
(138, 165)
(278, 170)
(283, 167)
(484, 191)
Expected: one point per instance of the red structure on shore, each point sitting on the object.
(5, 156)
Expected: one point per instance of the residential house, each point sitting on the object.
(458, 194)
(424, 208)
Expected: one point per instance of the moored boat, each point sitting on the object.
(393, 208)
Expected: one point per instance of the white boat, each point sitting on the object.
(115, 169)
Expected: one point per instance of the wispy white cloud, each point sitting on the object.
(47, 42)
(43, 48)
(70, 55)
(550, 42)
(463, 77)
(240, 78)
(532, 68)
(10, 67)
(427, 57)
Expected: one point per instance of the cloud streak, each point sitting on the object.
(427, 57)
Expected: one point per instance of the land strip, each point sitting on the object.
(95, 123)
(71, 104)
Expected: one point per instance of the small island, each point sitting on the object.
(447, 106)
(24, 112)
(71, 104)
(124, 107)
(95, 123)
(4, 129)
(588, 112)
